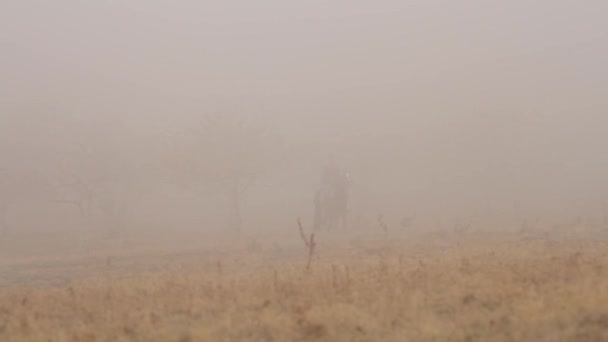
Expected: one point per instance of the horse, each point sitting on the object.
(331, 204)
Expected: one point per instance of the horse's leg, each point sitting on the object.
(316, 222)
(321, 220)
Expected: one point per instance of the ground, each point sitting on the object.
(509, 286)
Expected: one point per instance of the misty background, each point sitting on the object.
(141, 118)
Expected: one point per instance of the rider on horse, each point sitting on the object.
(331, 200)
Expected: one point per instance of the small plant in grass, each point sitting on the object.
(309, 242)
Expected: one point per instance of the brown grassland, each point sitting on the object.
(442, 287)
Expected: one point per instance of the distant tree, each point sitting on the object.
(18, 186)
(22, 181)
(231, 152)
(5, 199)
(92, 174)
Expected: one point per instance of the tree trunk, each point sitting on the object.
(113, 212)
(84, 209)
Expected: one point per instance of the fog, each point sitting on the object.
(144, 118)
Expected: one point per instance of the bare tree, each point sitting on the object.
(22, 183)
(91, 175)
(9, 195)
(18, 186)
(231, 152)
(5, 198)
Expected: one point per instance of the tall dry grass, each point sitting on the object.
(475, 290)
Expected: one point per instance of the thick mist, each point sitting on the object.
(159, 119)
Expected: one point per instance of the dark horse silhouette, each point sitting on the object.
(331, 204)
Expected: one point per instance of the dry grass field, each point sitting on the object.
(440, 287)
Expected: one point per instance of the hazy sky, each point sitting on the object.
(498, 100)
